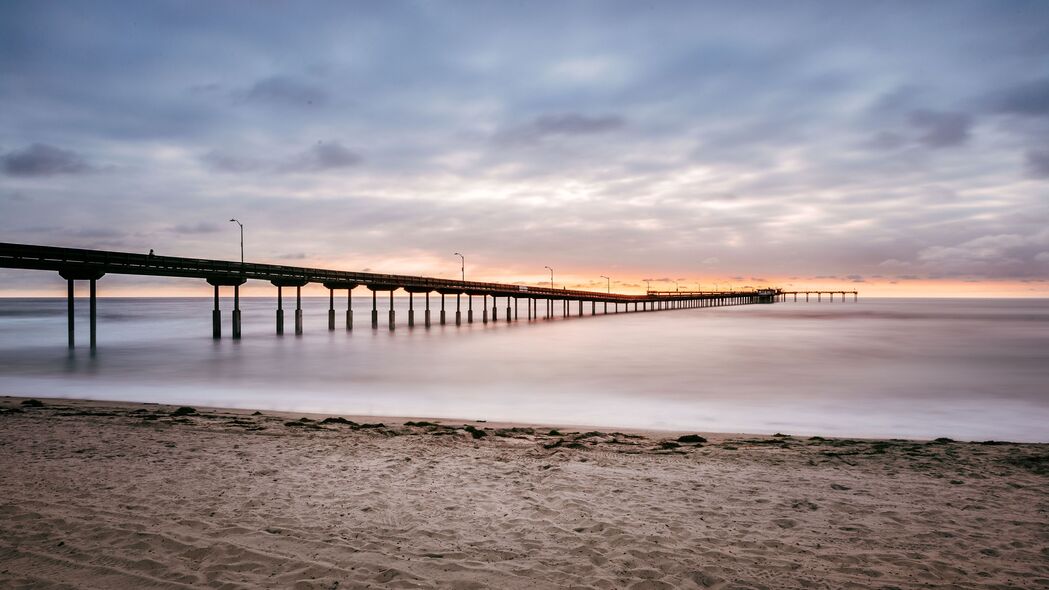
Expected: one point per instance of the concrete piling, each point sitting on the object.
(375, 312)
(92, 316)
(392, 314)
(298, 310)
(70, 316)
(331, 309)
(236, 312)
(349, 310)
(280, 310)
(411, 309)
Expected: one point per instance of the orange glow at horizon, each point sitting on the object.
(133, 286)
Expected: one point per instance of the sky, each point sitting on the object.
(896, 148)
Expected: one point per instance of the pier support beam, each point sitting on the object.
(93, 309)
(484, 310)
(458, 312)
(442, 309)
(375, 312)
(495, 309)
(331, 309)
(427, 314)
(280, 310)
(580, 308)
(216, 316)
(508, 318)
(411, 309)
(236, 312)
(393, 314)
(470, 309)
(298, 310)
(349, 310)
(70, 316)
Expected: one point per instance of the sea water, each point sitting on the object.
(963, 368)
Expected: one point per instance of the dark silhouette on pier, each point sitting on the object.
(91, 265)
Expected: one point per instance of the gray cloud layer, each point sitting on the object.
(675, 139)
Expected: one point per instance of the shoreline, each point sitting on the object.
(126, 495)
(648, 432)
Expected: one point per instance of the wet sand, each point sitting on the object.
(120, 495)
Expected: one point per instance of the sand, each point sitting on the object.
(117, 495)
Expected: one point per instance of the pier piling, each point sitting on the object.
(216, 316)
(71, 316)
(236, 312)
(331, 309)
(280, 311)
(298, 310)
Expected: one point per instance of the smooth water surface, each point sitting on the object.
(962, 368)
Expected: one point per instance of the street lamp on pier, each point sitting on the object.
(462, 268)
(551, 276)
(609, 282)
(234, 220)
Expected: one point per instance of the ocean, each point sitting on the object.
(969, 369)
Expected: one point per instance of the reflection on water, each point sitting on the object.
(968, 369)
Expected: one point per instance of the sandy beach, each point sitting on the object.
(121, 495)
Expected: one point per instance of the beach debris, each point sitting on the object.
(668, 444)
(1036, 463)
(32, 403)
(338, 420)
(803, 505)
(474, 432)
(839, 487)
(554, 432)
(515, 432)
(691, 438)
(256, 413)
(421, 423)
(184, 411)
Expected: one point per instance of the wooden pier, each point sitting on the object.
(91, 265)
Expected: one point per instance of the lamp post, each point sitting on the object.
(676, 288)
(462, 260)
(551, 276)
(234, 220)
(609, 282)
(648, 286)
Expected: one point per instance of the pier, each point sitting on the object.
(74, 264)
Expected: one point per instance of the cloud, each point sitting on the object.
(941, 129)
(561, 124)
(223, 162)
(43, 160)
(1038, 163)
(1041, 257)
(202, 227)
(283, 90)
(320, 157)
(1031, 99)
(323, 156)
